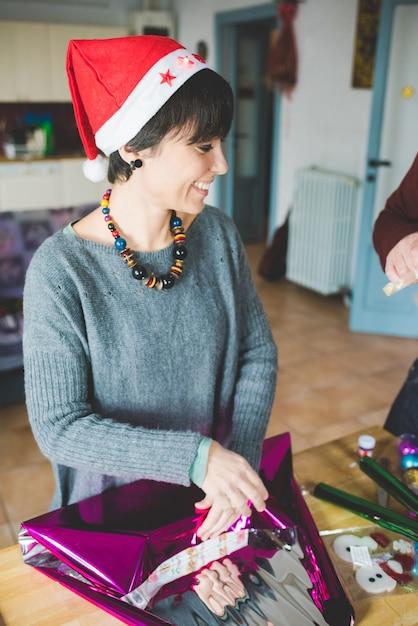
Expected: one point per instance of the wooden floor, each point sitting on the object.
(331, 383)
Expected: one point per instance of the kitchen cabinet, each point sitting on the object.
(33, 56)
(25, 68)
(51, 184)
(30, 186)
(8, 76)
(32, 61)
(75, 187)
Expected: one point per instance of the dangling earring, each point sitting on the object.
(135, 164)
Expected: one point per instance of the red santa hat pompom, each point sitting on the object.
(118, 85)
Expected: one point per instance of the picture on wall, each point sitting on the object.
(365, 43)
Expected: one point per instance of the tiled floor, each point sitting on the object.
(331, 383)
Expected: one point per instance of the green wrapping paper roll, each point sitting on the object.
(369, 510)
(390, 483)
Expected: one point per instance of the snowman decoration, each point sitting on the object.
(380, 574)
(375, 579)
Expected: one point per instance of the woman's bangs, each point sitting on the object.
(210, 121)
(206, 107)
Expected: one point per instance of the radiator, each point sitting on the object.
(321, 230)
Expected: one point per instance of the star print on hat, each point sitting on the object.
(118, 85)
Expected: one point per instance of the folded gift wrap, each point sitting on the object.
(133, 552)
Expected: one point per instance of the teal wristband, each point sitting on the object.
(199, 466)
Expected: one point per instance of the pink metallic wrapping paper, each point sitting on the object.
(107, 546)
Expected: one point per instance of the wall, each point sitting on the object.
(326, 121)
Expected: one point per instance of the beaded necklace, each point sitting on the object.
(149, 279)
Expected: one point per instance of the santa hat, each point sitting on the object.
(117, 85)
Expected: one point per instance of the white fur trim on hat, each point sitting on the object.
(146, 99)
(95, 169)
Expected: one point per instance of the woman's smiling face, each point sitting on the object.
(177, 175)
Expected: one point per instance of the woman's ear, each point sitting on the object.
(129, 155)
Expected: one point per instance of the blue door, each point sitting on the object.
(393, 144)
(248, 194)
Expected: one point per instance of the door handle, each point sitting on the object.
(379, 163)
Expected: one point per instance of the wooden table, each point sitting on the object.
(335, 463)
(27, 598)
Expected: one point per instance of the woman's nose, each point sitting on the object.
(219, 164)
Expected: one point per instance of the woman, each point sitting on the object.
(140, 362)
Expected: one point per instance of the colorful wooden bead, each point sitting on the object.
(176, 271)
(175, 222)
(120, 244)
(180, 252)
(151, 282)
(139, 272)
(168, 281)
(128, 258)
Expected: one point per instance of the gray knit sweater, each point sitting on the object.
(122, 381)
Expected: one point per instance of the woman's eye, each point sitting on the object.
(207, 147)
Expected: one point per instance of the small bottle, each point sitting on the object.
(366, 444)
(410, 478)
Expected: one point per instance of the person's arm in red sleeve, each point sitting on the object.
(395, 235)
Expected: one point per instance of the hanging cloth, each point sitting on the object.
(282, 61)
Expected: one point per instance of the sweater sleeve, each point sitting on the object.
(58, 392)
(399, 218)
(257, 372)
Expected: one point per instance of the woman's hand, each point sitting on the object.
(402, 260)
(230, 484)
(219, 586)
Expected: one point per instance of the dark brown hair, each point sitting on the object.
(203, 106)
